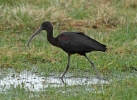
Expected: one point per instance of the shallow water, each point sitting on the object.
(35, 82)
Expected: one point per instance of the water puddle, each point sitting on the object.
(35, 82)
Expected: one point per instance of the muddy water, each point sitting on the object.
(35, 82)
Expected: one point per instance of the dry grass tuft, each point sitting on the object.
(25, 14)
(98, 14)
(130, 3)
(105, 16)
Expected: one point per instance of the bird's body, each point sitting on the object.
(78, 42)
(71, 43)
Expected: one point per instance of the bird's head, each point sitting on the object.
(44, 26)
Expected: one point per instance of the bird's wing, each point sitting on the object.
(77, 42)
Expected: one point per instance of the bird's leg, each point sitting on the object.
(66, 67)
(92, 64)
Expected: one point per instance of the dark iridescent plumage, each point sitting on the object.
(71, 43)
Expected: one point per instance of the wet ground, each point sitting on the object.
(37, 82)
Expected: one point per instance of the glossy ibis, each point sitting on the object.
(71, 43)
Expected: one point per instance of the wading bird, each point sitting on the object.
(71, 43)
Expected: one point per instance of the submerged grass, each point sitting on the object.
(110, 22)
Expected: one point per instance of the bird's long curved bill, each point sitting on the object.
(38, 31)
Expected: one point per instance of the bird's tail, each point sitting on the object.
(99, 47)
(102, 47)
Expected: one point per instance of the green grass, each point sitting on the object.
(112, 23)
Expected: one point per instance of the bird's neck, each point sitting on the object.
(51, 39)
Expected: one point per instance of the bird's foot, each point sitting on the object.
(62, 80)
(101, 78)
